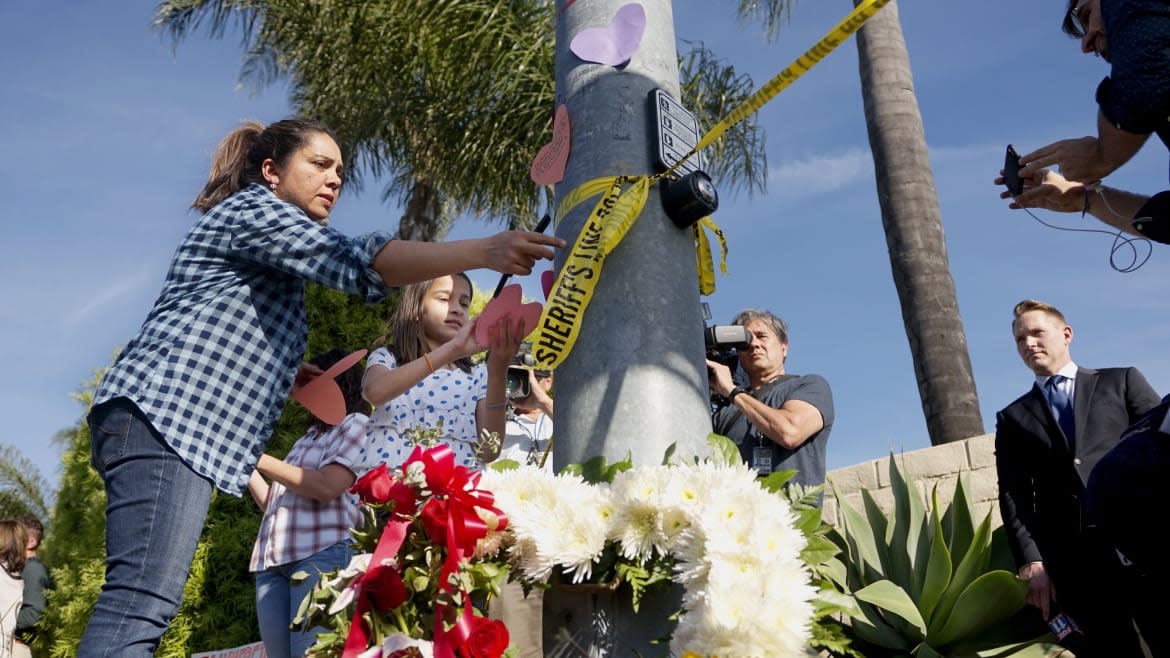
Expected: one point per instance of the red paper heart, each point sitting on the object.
(549, 165)
(546, 281)
(507, 305)
(322, 396)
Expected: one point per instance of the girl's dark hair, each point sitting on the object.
(407, 340)
(13, 544)
(238, 158)
(349, 381)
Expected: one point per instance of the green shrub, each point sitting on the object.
(934, 583)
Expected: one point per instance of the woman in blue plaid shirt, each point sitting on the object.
(192, 399)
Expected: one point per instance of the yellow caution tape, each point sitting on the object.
(704, 262)
(618, 208)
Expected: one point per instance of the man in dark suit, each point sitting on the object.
(1047, 443)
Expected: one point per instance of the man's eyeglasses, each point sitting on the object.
(1074, 17)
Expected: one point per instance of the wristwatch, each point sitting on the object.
(734, 392)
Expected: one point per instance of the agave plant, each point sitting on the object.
(929, 584)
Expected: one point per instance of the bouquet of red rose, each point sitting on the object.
(411, 590)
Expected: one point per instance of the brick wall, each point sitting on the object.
(937, 465)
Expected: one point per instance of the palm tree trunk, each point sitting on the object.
(914, 234)
(422, 219)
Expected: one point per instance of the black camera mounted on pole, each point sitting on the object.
(690, 196)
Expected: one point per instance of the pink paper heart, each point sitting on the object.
(548, 167)
(507, 305)
(546, 281)
(322, 396)
(615, 43)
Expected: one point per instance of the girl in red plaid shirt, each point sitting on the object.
(307, 514)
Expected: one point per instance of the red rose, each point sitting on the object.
(374, 487)
(384, 587)
(489, 638)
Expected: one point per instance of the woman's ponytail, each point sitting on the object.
(228, 166)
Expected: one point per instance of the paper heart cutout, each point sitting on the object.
(548, 167)
(322, 396)
(506, 305)
(615, 43)
(546, 281)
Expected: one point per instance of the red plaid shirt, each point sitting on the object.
(295, 527)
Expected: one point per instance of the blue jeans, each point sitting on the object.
(278, 600)
(155, 509)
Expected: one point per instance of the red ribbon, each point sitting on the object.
(450, 518)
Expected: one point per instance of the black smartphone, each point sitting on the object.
(1011, 171)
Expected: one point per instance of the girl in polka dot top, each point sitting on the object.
(425, 379)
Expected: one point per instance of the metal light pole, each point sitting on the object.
(635, 382)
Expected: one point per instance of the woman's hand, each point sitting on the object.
(1048, 190)
(464, 342)
(515, 252)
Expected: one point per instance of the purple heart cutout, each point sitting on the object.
(614, 44)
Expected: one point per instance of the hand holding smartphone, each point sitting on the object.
(1011, 171)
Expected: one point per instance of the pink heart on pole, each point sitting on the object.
(507, 305)
(615, 43)
(548, 167)
(546, 281)
(322, 396)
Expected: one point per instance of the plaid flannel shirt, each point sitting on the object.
(215, 359)
(295, 527)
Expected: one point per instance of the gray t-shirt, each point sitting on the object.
(808, 459)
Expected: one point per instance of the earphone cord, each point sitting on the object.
(1120, 240)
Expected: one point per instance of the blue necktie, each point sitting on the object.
(1061, 405)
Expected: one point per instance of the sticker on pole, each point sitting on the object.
(677, 133)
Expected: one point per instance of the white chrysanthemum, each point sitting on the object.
(553, 520)
(574, 534)
(640, 498)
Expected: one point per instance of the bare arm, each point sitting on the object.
(258, 487)
(381, 384)
(489, 412)
(322, 484)
(1086, 159)
(1051, 191)
(789, 426)
(511, 252)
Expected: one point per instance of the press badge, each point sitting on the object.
(762, 460)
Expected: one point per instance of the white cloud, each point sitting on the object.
(133, 285)
(821, 174)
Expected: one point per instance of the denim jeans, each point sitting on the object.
(278, 600)
(155, 509)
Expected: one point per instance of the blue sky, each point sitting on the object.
(107, 134)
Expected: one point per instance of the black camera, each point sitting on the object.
(517, 385)
(722, 340)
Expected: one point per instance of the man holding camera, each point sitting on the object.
(780, 421)
(1134, 102)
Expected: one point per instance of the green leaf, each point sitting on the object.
(970, 567)
(670, 450)
(892, 598)
(904, 531)
(937, 574)
(924, 650)
(958, 523)
(990, 598)
(859, 544)
(879, 522)
(724, 452)
(776, 480)
(504, 465)
(870, 627)
(819, 550)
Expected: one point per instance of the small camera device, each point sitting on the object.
(516, 385)
(689, 199)
(1011, 171)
